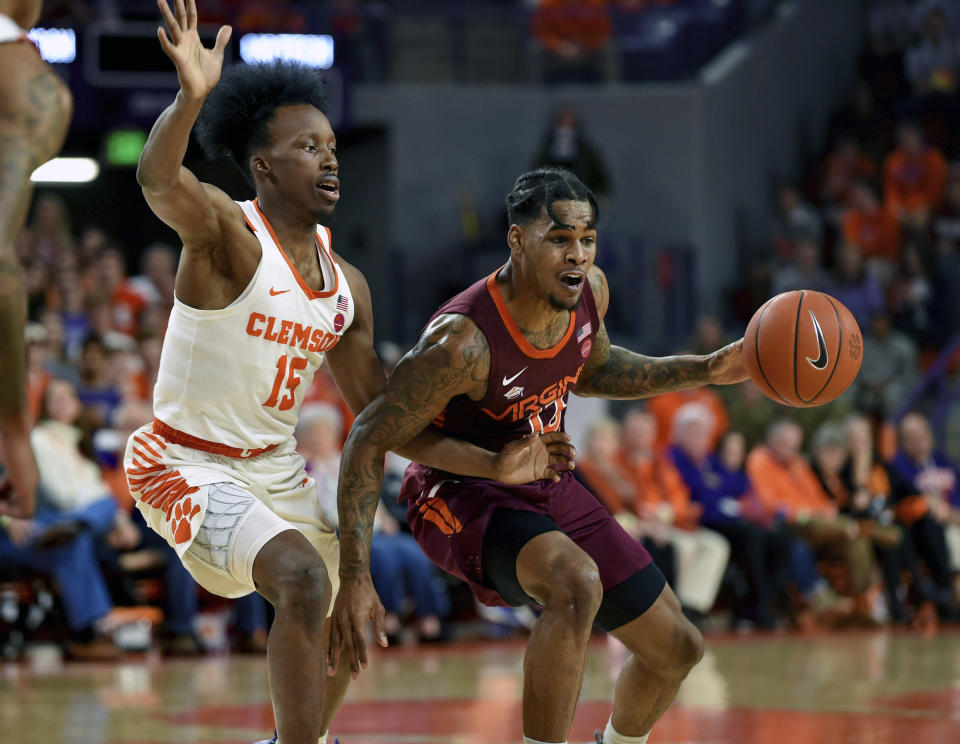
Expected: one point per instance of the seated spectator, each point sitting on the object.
(789, 490)
(664, 409)
(73, 510)
(915, 175)
(76, 497)
(98, 393)
(933, 513)
(890, 375)
(566, 145)
(38, 372)
(875, 488)
(933, 64)
(868, 225)
(400, 570)
(602, 471)
(856, 286)
(661, 496)
(575, 37)
(126, 302)
(804, 270)
(831, 460)
(719, 484)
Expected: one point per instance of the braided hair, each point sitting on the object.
(539, 189)
(235, 117)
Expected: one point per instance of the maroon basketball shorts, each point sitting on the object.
(474, 529)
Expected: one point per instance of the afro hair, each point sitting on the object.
(537, 190)
(234, 118)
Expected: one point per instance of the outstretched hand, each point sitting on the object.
(198, 68)
(727, 365)
(535, 457)
(357, 604)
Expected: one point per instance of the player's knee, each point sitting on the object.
(303, 589)
(574, 588)
(688, 646)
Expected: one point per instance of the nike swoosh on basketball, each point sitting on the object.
(275, 292)
(821, 361)
(507, 381)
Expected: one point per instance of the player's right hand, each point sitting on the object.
(18, 486)
(198, 68)
(357, 604)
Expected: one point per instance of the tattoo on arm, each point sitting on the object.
(451, 357)
(32, 127)
(624, 374)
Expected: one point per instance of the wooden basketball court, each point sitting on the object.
(874, 688)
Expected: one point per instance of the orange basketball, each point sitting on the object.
(803, 348)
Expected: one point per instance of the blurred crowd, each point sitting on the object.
(767, 517)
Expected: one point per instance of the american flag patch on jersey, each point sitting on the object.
(342, 303)
(583, 332)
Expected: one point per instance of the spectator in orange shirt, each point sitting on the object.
(126, 303)
(867, 224)
(662, 496)
(575, 38)
(790, 490)
(664, 408)
(915, 175)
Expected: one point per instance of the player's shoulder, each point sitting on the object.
(355, 278)
(458, 334)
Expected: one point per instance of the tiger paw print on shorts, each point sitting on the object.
(181, 515)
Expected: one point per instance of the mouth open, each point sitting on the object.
(329, 190)
(572, 280)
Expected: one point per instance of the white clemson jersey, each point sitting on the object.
(231, 381)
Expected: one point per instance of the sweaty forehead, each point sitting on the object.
(299, 119)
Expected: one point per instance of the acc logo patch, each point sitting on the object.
(586, 348)
(338, 322)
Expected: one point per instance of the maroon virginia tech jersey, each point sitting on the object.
(528, 387)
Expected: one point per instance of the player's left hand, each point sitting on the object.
(535, 457)
(727, 366)
(357, 604)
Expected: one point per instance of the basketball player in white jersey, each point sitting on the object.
(34, 113)
(261, 299)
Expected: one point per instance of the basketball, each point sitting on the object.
(803, 348)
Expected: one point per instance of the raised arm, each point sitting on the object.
(360, 377)
(174, 194)
(615, 372)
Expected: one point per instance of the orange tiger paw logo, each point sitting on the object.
(182, 514)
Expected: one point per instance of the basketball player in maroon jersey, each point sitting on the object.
(268, 120)
(34, 113)
(496, 363)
